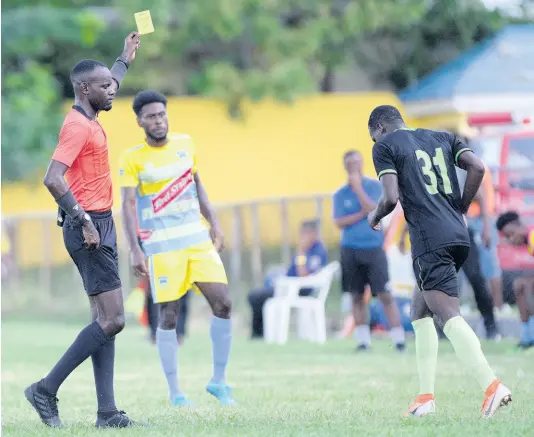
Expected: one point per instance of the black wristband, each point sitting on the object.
(123, 60)
(68, 203)
(119, 69)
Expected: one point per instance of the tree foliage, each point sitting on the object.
(228, 49)
(402, 54)
(255, 49)
(31, 96)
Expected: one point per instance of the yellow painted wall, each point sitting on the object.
(441, 121)
(278, 150)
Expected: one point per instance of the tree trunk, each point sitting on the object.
(327, 82)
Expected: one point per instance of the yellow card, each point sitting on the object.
(144, 22)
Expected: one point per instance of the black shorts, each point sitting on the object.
(438, 270)
(360, 267)
(98, 268)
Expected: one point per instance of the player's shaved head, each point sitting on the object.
(384, 114)
(145, 98)
(383, 120)
(92, 82)
(83, 71)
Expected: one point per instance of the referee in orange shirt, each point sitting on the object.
(79, 179)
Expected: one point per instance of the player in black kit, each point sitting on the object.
(417, 167)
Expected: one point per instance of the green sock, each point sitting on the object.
(467, 347)
(426, 351)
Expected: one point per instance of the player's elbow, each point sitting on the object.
(390, 199)
(390, 203)
(128, 201)
(47, 181)
(478, 167)
(475, 166)
(51, 181)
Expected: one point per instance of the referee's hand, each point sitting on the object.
(91, 238)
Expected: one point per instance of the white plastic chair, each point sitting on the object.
(311, 318)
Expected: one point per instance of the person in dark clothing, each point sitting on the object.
(311, 256)
(483, 297)
(418, 168)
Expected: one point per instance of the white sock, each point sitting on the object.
(397, 335)
(362, 335)
(168, 354)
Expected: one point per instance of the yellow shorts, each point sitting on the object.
(172, 274)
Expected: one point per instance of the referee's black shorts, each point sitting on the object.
(98, 268)
(360, 267)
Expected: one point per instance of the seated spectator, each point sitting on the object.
(518, 234)
(311, 256)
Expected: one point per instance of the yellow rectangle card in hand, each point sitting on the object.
(144, 22)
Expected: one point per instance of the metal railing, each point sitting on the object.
(258, 234)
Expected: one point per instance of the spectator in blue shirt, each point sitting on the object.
(311, 256)
(363, 260)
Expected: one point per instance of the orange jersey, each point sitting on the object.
(489, 194)
(83, 148)
(530, 241)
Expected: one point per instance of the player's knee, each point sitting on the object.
(120, 323)
(168, 320)
(419, 312)
(222, 308)
(113, 325)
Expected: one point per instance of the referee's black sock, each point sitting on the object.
(89, 340)
(103, 367)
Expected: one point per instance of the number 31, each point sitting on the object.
(439, 161)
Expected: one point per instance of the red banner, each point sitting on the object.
(172, 191)
(145, 234)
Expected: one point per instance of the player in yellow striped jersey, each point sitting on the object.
(163, 194)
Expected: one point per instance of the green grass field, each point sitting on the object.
(294, 390)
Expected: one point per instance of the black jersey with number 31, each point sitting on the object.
(424, 162)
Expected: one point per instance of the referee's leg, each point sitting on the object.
(99, 271)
